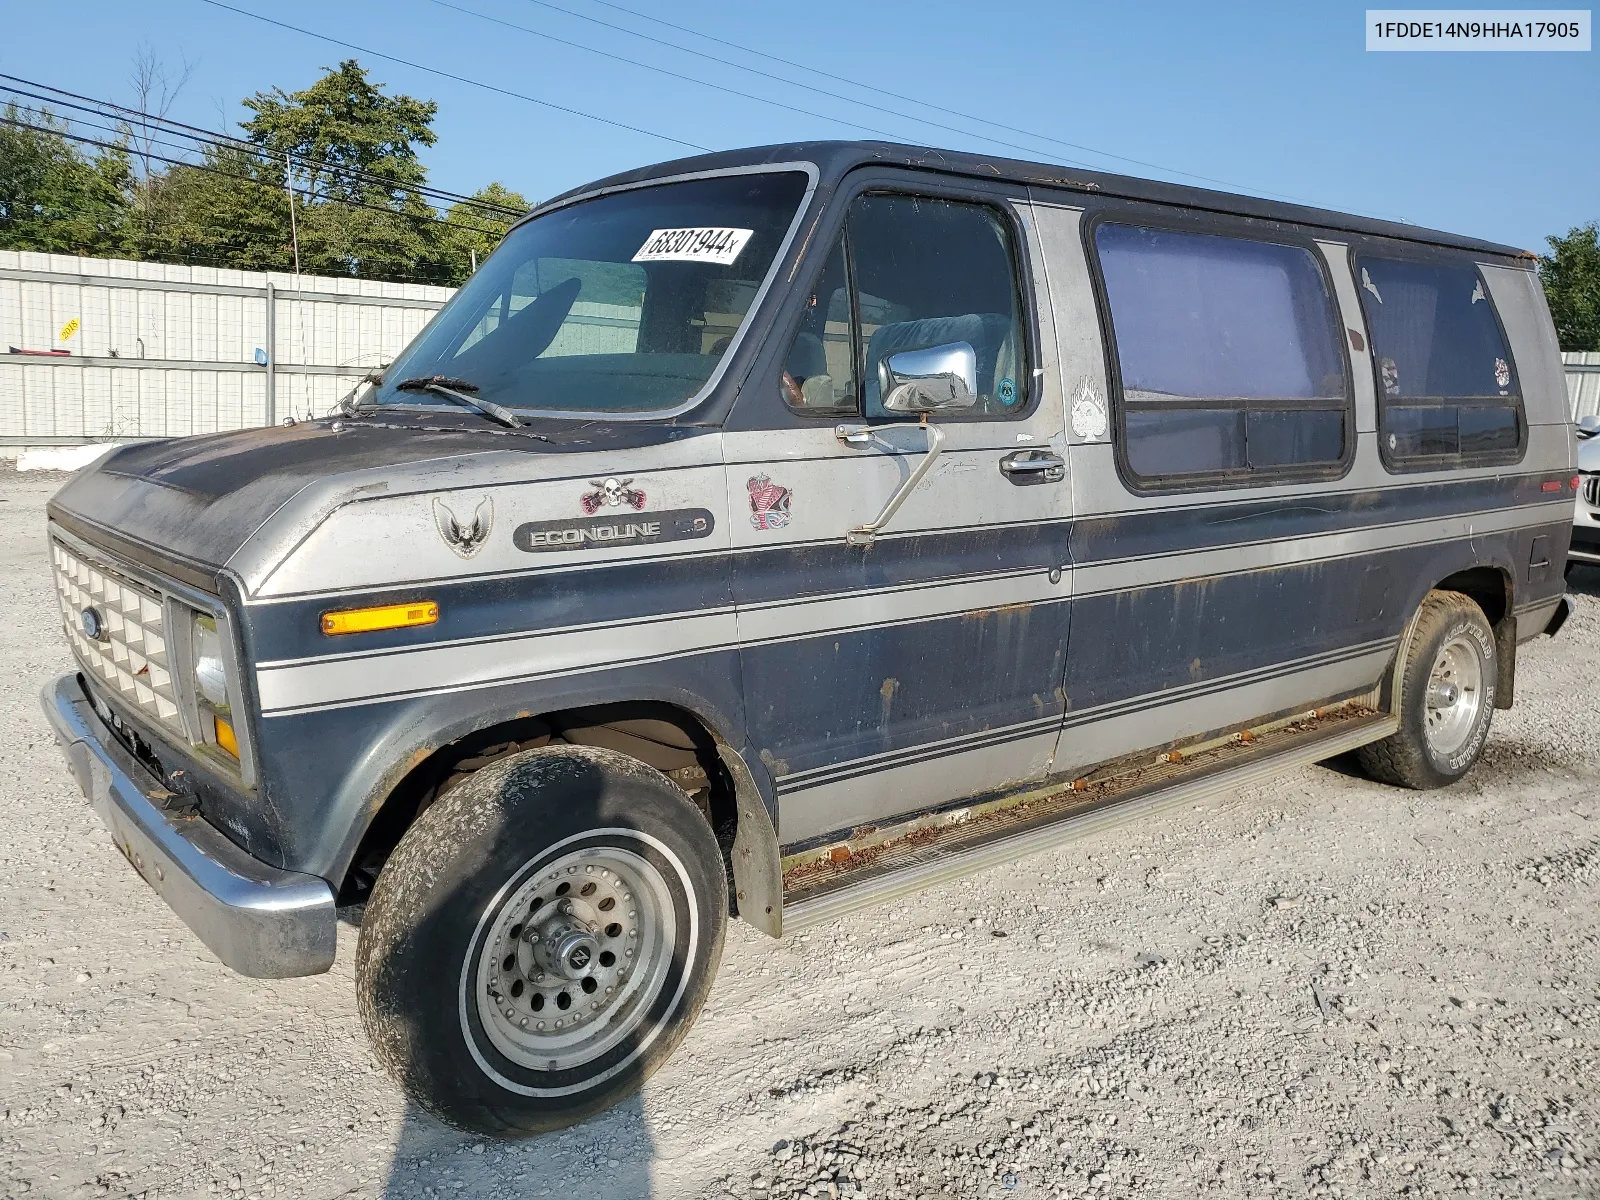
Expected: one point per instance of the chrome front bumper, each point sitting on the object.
(257, 919)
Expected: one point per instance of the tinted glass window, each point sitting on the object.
(1447, 386)
(623, 303)
(1205, 317)
(931, 272)
(819, 373)
(1245, 328)
(1434, 331)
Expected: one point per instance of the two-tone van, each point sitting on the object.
(778, 532)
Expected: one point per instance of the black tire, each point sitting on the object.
(1411, 756)
(449, 888)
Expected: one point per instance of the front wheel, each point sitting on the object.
(541, 940)
(1445, 701)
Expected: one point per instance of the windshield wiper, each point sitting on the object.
(457, 390)
(349, 405)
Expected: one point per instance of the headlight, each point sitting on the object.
(210, 676)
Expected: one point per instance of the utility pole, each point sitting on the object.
(294, 231)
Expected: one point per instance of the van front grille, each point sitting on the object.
(130, 655)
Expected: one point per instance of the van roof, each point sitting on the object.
(833, 159)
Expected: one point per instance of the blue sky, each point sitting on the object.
(1268, 98)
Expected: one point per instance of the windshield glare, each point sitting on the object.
(624, 303)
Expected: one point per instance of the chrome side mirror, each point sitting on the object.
(930, 380)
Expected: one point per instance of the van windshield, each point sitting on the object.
(624, 303)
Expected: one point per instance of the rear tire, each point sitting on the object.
(541, 940)
(1445, 701)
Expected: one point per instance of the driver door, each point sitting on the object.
(891, 666)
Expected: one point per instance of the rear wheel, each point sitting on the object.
(541, 940)
(1446, 698)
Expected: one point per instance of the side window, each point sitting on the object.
(1447, 388)
(1229, 356)
(819, 374)
(911, 273)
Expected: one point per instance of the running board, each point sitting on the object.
(924, 855)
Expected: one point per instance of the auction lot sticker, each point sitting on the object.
(1478, 29)
(699, 243)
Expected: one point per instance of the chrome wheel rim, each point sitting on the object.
(1455, 695)
(574, 959)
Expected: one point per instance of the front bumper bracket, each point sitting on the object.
(259, 920)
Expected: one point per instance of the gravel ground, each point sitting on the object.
(1320, 986)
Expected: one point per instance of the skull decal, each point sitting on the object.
(611, 493)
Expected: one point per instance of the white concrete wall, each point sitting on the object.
(164, 350)
(1583, 382)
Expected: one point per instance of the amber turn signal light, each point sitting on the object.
(226, 738)
(386, 616)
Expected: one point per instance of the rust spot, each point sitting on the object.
(824, 868)
(774, 764)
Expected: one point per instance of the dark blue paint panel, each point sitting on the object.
(507, 605)
(325, 772)
(502, 606)
(1207, 526)
(1137, 642)
(826, 700)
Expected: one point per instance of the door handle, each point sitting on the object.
(1025, 467)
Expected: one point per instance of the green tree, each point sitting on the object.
(52, 197)
(1571, 277)
(346, 147)
(229, 209)
(355, 173)
(473, 230)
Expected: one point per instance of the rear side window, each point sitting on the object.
(1447, 388)
(1228, 355)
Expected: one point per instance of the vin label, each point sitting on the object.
(598, 533)
(1477, 29)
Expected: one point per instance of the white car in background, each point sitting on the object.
(1586, 517)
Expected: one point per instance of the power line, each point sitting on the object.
(809, 69)
(477, 83)
(210, 170)
(97, 107)
(633, 62)
(790, 82)
(122, 146)
(867, 87)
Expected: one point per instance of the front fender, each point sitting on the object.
(328, 772)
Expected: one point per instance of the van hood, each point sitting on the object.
(184, 506)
